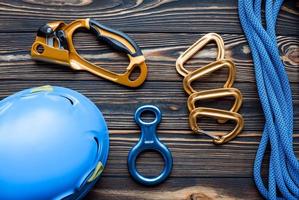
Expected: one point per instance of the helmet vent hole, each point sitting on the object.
(97, 141)
(69, 99)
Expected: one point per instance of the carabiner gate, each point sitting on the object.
(54, 43)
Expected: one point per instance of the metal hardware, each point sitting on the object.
(149, 141)
(197, 46)
(222, 116)
(54, 43)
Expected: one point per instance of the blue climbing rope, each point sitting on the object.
(276, 99)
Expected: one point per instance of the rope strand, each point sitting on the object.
(276, 99)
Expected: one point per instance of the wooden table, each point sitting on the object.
(163, 29)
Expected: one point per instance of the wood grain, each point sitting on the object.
(139, 16)
(163, 29)
(194, 155)
(160, 50)
(116, 188)
(168, 96)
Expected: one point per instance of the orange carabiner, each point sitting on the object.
(222, 116)
(54, 42)
(214, 66)
(219, 115)
(217, 93)
(197, 46)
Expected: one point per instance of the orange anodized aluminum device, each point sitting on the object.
(54, 43)
(222, 116)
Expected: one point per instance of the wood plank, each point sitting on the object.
(196, 153)
(161, 51)
(118, 103)
(193, 155)
(139, 16)
(163, 29)
(111, 188)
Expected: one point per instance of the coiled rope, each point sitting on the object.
(276, 100)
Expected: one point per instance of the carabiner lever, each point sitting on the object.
(54, 43)
(149, 141)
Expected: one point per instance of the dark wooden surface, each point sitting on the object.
(163, 29)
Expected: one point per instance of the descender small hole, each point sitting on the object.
(148, 116)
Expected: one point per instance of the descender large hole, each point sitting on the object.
(98, 52)
(150, 163)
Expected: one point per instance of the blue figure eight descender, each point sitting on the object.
(149, 141)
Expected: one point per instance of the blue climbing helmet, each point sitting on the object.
(54, 144)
